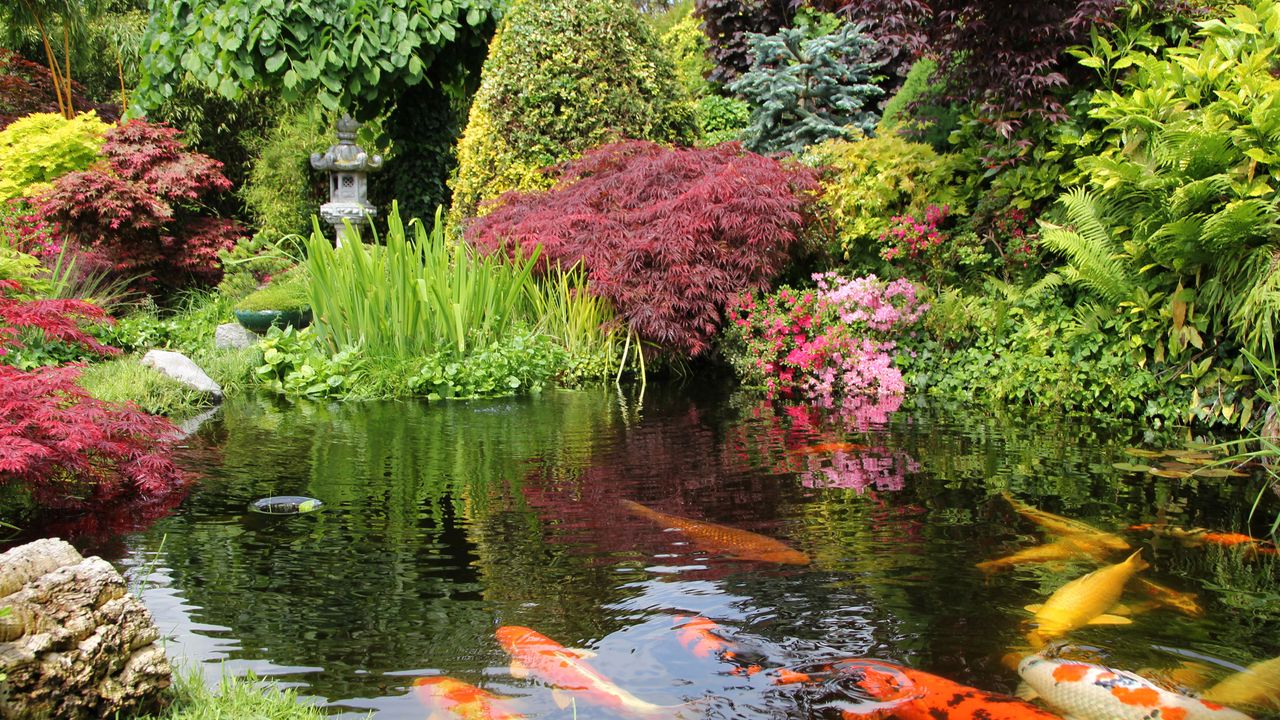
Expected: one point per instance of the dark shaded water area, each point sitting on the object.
(444, 521)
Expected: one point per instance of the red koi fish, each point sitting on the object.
(702, 637)
(1094, 692)
(1195, 537)
(460, 700)
(533, 653)
(720, 538)
(907, 694)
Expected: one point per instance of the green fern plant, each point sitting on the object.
(1095, 258)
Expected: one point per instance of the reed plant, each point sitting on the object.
(416, 294)
(580, 322)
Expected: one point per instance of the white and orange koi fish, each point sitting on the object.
(1084, 691)
(533, 653)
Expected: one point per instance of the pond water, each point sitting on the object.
(443, 522)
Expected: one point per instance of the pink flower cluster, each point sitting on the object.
(910, 238)
(833, 345)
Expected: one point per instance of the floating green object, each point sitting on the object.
(285, 505)
(1131, 467)
(1139, 452)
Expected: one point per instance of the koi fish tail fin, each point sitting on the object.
(1136, 562)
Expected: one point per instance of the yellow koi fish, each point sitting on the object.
(1065, 549)
(1184, 602)
(1084, 601)
(1257, 686)
(1059, 525)
(719, 538)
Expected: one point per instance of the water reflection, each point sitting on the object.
(443, 522)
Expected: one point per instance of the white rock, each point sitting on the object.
(233, 336)
(180, 368)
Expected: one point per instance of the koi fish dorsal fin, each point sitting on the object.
(1034, 608)
(561, 698)
(1024, 691)
(1110, 620)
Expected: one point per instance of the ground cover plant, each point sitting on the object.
(667, 235)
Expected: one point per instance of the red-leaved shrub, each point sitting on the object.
(25, 88)
(67, 448)
(669, 235)
(73, 450)
(139, 207)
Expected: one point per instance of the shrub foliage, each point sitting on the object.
(563, 76)
(357, 55)
(728, 25)
(668, 235)
(140, 208)
(40, 148)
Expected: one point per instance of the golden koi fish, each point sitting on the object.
(1059, 525)
(1065, 549)
(719, 538)
(1084, 601)
(1184, 602)
(1257, 686)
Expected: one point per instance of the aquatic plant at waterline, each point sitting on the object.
(414, 296)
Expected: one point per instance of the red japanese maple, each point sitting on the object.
(67, 447)
(139, 206)
(669, 235)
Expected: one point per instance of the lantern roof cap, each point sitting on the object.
(346, 156)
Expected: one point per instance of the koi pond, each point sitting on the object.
(683, 549)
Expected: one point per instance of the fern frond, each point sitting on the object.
(1238, 223)
(1095, 258)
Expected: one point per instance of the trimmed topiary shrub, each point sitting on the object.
(290, 291)
(668, 235)
(40, 148)
(563, 76)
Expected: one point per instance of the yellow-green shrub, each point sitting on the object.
(40, 148)
(687, 47)
(867, 182)
(563, 76)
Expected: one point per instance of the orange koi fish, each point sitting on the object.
(1066, 548)
(457, 699)
(1065, 526)
(701, 636)
(1094, 692)
(827, 448)
(534, 653)
(1184, 602)
(1257, 686)
(1195, 537)
(908, 694)
(719, 538)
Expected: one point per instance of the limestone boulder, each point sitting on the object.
(74, 643)
(184, 370)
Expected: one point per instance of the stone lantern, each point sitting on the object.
(348, 167)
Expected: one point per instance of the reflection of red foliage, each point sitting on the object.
(664, 466)
(100, 531)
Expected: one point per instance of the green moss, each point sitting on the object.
(287, 292)
(563, 76)
(126, 379)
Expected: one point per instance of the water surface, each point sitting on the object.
(445, 521)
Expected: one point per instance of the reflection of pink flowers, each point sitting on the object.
(876, 468)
